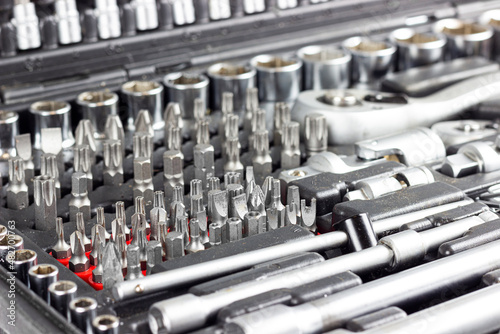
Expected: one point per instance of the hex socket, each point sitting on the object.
(96, 107)
(9, 129)
(184, 88)
(52, 114)
(106, 324)
(61, 294)
(10, 242)
(325, 67)
(492, 19)
(40, 277)
(146, 95)
(83, 312)
(23, 260)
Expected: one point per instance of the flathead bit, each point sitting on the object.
(195, 244)
(78, 262)
(24, 151)
(112, 270)
(218, 208)
(101, 220)
(293, 198)
(82, 163)
(290, 149)
(282, 116)
(233, 163)
(253, 224)
(308, 215)
(174, 140)
(274, 218)
(143, 146)
(80, 227)
(143, 180)
(143, 123)
(227, 109)
(154, 253)
(234, 229)
(249, 177)
(121, 246)
(48, 167)
(113, 162)
(17, 191)
(290, 215)
(204, 163)
(121, 217)
(251, 105)
(316, 134)
(267, 189)
(276, 195)
(215, 234)
(114, 130)
(84, 135)
(45, 203)
(61, 250)
(256, 201)
(98, 243)
(175, 245)
(202, 132)
(133, 263)
(157, 215)
(238, 207)
(261, 160)
(79, 201)
(173, 175)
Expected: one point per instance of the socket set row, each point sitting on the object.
(349, 186)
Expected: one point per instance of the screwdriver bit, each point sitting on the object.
(195, 191)
(48, 167)
(157, 215)
(181, 222)
(276, 196)
(112, 269)
(227, 110)
(290, 149)
(203, 132)
(258, 124)
(122, 219)
(177, 200)
(61, 250)
(173, 163)
(51, 142)
(213, 183)
(163, 239)
(112, 157)
(231, 126)
(80, 227)
(256, 201)
(84, 136)
(267, 189)
(195, 244)
(249, 177)
(204, 163)
(238, 207)
(142, 242)
(121, 247)
(143, 123)
(234, 229)
(24, 151)
(282, 116)
(254, 223)
(143, 146)
(17, 191)
(82, 163)
(101, 220)
(79, 201)
(198, 212)
(173, 119)
(261, 160)
(316, 134)
(217, 208)
(114, 130)
(293, 199)
(175, 245)
(199, 109)
(143, 181)
(138, 223)
(233, 163)
(308, 215)
(45, 203)
(215, 234)
(133, 263)
(251, 106)
(174, 140)
(78, 262)
(98, 243)
(290, 215)
(232, 178)
(154, 255)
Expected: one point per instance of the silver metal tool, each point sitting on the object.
(83, 311)
(108, 19)
(157, 215)
(143, 180)
(120, 215)
(195, 244)
(233, 163)
(98, 242)
(24, 151)
(147, 95)
(366, 111)
(230, 77)
(17, 191)
(204, 163)
(215, 234)
(290, 146)
(418, 49)
(143, 146)
(256, 200)
(84, 136)
(175, 245)
(52, 114)
(492, 18)
(80, 227)
(22, 260)
(154, 253)
(9, 129)
(114, 265)
(45, 200)
(254, 223)
(316, 134)
(278, 78)
(463, 131)
(465, 38)
(49, 167)
(82, 162)
(219, 9)
(10, 242)
(41, 276)
(183, 88)
(325, 67)
(106, 324)
(3, 231)
(281, 117)
(198, 212)
(79, 201)
(112, 157)
(259, 121)
(143, 123)
(218, 210)
(120, 256)
(146, 14)
(261, 160)
(133, 263)
(275, 213)
(114, 130)
(251, 106)
(183, 12)
(173, 118)
(52, 143)
(61, 294)
(68, 22)
(27, 25)
(254, 6)
(234, 229)
(61, 250)
(96, 106)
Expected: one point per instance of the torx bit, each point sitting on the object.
(121, 217)
(256, 201)
(51, 142)
(213, 183)
(143, 146)
(258, 123)
(121, 247)
(157, 215)
(48, 167)
(261, 160)
(84, 135)
(177, 199)
(251, 106)
(253, 224)
(232, 178)
(113, 163)
(133, 263)
(114, 130)
(173, 175)
(112, 267)
(61, 250)
(316, 134)
(234, 229)
(98, 243)
(195, 191)
(143, 180)
(24, 151)
(174, 140)
(154, 253)
(163, 239)
(79, 201)
(78, 262)
(290, 149)
(231, 126)
(203, 132)
(282, 116)
(215, 234)
(140, 208)
(227, 110)
(233, 163)
(308, 215)
(101, 220)
(17, 191)
(144, 123)
(290, 215)
(204, 163)
(198, 212)
(83, 163)
(138, 223)
(175, 245)
(80, 227)
(45, 203)
(195, 244)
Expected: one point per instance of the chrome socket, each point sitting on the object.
(96, 107)
(465, 39)
(492, 18)
(61, 294)
(106, 324)
(9, 129)
(22, 261)
(184, 88)
(83, 312)
(146, 95)
(10, 243)
(418, 49)
(40, 277)
(325, 67)
(52, 114)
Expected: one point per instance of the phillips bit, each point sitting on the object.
(174, 245)
(79, 201)
(61, 250)
(122, 218)
(143, 123)
(316, 134)
(249, 177)
(172, 117)
(234, 229)
(45, 203)
(113, 163)
(199, 113)
(173, 163)
(203, 132)
(233, 163)
(51, 142)
(308, 215)
(290, 215)
(99, 269)
(84, 136)
(215, 234)
(17, 191)
(138, 221)
(143, 180)
(101, 220)
(82, 163)
(254, 223)
(98, 243)
(112, 269)
(227, 110)
(195, 244)
(80, 227)
(174, 140)
(293, 199)
(251, 106)
(114, 130)
(121, 246)
(78, 262)
(204, 163)
(256, 201)
(24, 151)
(48, 167)
(282, 116)
(258, 124)
(157, 215)
(290, 149)
(154, 255)
(143, 146)
(133, 263)
(261, 160)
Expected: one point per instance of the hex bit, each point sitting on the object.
(24, 151)
(154, 253)
(175, 245)
(261, 160)
(234, 229)
(133, 263)
(79, 201)
(83, 163)
(215, 234)
(61, 250)
(112, 157)
(143, 180)
(48, 167)
(45, 203)
(17, 191)
(78, 262)
(254, 223)
(290, 146)
(173, 164)
(80, 227)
